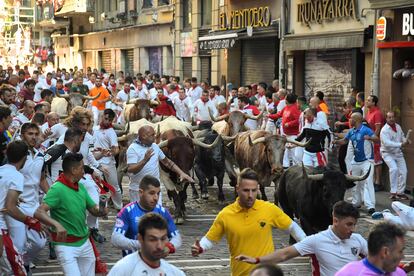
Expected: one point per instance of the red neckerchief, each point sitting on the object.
(393, 127)
(103, 126)
(127, 90)
(62, 178)
(49, 82)
(204, 100)
(318, 109)
(322, 101)
(113, 85)
(310, 121)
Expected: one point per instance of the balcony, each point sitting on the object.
(45, 16)
(76, 7)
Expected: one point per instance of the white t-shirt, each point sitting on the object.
(32, 172)
(42, 84)
(201, 112)
(135, 154)
(124, 96)
(133, 264)
(183, 108)
(195, 93)
(218, 99)
(105, 139)
(332, 252)
(10, 179)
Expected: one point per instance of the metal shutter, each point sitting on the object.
(89, 59)
(187, 67)
(129, 61)
(259, 58)
(329, 72)
(205, 69)
(106, 61)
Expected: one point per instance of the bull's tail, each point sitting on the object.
(281, 196)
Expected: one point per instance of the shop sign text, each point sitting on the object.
(408, 24)
(317, 11)
(217, 44)
(239, 19)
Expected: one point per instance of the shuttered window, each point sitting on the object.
(106, 61)
(128, 56)
(206, 69)
(187, 67)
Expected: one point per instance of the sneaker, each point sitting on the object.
(377, 215)
(371, 211)
(393, 196)
(402, 196)
(378, 188)
(52, 252)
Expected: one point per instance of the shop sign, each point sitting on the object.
(408, 24)
(217, 44)
(381, 28)
(324, 10)
(239, 19)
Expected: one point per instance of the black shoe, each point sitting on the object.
(52, 252)
(97, 236)
(371, 211)
(378, 188)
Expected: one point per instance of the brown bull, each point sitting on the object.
(263, 152)
(137, 109)
(74, 99)
(234, 122)
(181, 150)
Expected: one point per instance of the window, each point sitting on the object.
(206, 12)
(114, 5)
(163, 2)
(187, 14)
(147, 4)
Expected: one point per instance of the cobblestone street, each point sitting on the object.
(215, 262)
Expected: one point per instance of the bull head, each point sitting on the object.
(354, 178)
(196, 143)
(229, 138)
(319, 176)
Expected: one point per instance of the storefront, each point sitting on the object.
(395, 31)
(328, 48)
(247, 40)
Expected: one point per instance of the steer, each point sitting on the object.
(310, 193)
(136, 109)
(232, 123)
(262, 152)
(73, 99)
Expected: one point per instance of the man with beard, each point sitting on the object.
(23, 233)
(153, 236)
(7, 98)
(23, 117)
(324, 245)
(5, 136)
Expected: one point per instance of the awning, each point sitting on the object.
(344, 40)
(387, 4)
(227, 39)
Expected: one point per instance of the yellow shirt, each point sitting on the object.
(248, 231)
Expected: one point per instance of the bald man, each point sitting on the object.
(143, 157)
(361, 138)
(52, 118)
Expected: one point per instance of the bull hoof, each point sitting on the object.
(221, 197)
(179, 220)
(204, 195)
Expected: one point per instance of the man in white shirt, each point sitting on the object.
(333, 248)
(143, 157)
(91, 82)
(392, 141)
(52, 119)
(125, 93)
(106, 147)
(148, 261)
(214, 95)
(27, 241)
(195, 91)
(46, 83)
(201, 108)
(182, 105)
(153, 92)
(171, 91)
(23, 117)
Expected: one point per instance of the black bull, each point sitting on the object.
(310, 193)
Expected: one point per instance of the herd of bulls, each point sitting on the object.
(226, 146)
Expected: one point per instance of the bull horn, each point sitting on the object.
(315, 177)
(236, 170)
(204, 145)
(123, 138)
(354, 178)
(158, 131)
(65, 96)
(258, 140)
(300, 144)
(229, 138)
(63, 116)
(152, 103)
(193, 128)
(252, 117)
(250, 141)
(214, 119)
(90, 98)
(120, 132)
(118, 127)
(163, 144)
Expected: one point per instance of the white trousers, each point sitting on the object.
(27, 242)
(112, 179)
(76, 261)
(93, 191)
(404, 217)
(289, 156)
(96, 115)
(270, 126)
(397, 170)
(314, 159)
(363, 190)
